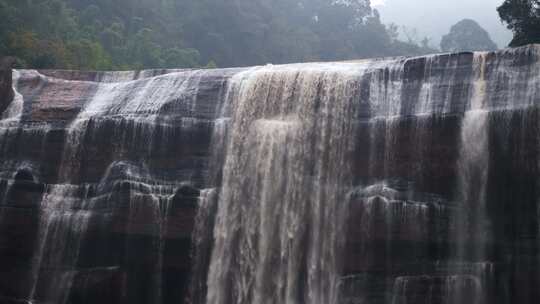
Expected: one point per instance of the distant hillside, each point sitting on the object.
(126, 34)
(434, 18)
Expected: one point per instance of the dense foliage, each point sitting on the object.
(523, 18)
(128, 34)
(467, 35)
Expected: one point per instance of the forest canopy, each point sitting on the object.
(523, 18)
(128, 34)
(137, 34)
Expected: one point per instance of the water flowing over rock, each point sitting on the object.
(388, 181)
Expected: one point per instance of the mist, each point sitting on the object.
(433, 18)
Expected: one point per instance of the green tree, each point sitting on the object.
(523, 18)
(127, 34)
(88, 55)
(176, 57)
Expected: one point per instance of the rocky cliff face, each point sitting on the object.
(408, 180)
(6, 91)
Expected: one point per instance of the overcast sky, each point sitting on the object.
(433, 18)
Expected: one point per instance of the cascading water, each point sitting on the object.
(64, 219)
(66, 208)
(279, 226)
(473, 174)
(390, 181)
(203, 235)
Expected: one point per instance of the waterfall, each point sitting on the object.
(64, 218)
(202, 240)
(265, 134)
(132, 109)
(429, 289)
(281, 210)
(397, 180)
(473, 169)
(161, 200)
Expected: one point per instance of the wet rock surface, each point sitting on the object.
(6, 91)
(112, 184)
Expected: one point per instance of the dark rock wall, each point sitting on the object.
(102, 174)
(6, 92)
(109, 221)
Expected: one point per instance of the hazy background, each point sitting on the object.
(144, 34)
(433, 18)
